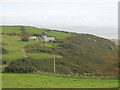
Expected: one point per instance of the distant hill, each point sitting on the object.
(79, 54)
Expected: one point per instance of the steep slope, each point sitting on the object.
(82, 53)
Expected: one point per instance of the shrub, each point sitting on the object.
(25, 39)
(57, 41)
(20, 69)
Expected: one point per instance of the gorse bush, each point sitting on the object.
(25, 39)
(19, 67)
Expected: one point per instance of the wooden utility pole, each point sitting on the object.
(54, 65)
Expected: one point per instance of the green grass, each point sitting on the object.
(59, 35)
(31, 30)
(10, 29)
(17, 29)
(51, 81)
(42, 55)
(15, 49)
(34, 30)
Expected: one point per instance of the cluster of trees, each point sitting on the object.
(20, 66)
(28, 65)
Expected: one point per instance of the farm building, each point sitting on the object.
(33, 38)
(46, 39)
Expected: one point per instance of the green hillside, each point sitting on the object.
(9, 29)
(17, 29)
(59, 35)
(50, 81)
(75, 54)
(14, 47)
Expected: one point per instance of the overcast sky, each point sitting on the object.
(95, 13)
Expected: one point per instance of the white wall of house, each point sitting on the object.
(32, 38)
(45, 38)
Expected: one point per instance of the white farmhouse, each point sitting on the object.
(46, 39)
(33, 38)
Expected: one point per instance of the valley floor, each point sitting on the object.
(51, 81)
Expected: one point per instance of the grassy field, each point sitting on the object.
(34, 30)
(59, 35)
(31, 30)
(15, 48)
(9, 30)
(51, 81)
(17, 29)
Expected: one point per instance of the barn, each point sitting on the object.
(33, 38)
(46, 39)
